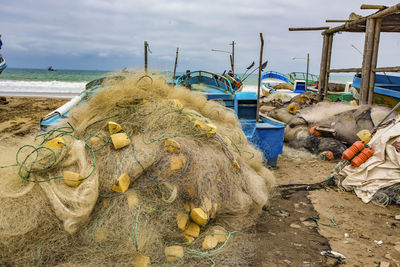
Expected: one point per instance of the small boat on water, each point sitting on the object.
(386, 89)
(3, 64)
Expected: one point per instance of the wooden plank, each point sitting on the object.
(387, 69)
(337, 20)
(308, 29)
(349, 26)
(322, 70)
(346, 70)
(374, 60)
(328, 64)
(346, 26)
(364, 6)
(367, 57)
(386, 12)
(259, 76)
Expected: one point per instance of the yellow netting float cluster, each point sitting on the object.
(141, 174)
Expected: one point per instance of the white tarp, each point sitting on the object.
(379, 171)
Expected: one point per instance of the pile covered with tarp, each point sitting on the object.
(321, 127)
(142, 173)
(378, 178)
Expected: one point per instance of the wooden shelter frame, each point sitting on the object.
(387, 19)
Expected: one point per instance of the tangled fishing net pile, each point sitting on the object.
(142, 173)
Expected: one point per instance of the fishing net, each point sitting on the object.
(140, 170)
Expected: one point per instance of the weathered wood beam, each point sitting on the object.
(328, 64)
(308, 29)
(386, 12)
(345, 26)
(322, 70)
(346, 70)
(387, 69)
(337, 20)
(367, 58)
(365, 6)
(374, 60)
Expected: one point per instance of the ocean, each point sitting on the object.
(39, 82)
(68, 83)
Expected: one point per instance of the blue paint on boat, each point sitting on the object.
(213, 86)
(245, 105)
(266, 134)
(3, 64)
(271, 78)
(387, 85)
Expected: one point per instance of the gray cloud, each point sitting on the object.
(99, 34)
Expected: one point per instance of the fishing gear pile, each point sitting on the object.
(141, 173)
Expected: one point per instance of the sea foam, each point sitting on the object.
(59, 89)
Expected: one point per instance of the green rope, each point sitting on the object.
(136, 228)
(94, 230)
(37, 259)
(210, 252)
(332, 223)
(168, 264)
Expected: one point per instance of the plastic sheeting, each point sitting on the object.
(379, 171)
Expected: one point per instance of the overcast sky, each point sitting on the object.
(109, 35)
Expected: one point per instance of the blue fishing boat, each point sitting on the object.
(3, 64)
(216, 87)
(386, 89)
(273, 78)
(267, 134)
(60, 115)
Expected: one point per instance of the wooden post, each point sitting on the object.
(374, 60)
(328, 64)
(145, 56)
(323, 70)
(367, 58)
(259, 76)
(176, 62)
(308, 64)
(233, 57)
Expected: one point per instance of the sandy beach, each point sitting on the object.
(285, 235)
(21, 116)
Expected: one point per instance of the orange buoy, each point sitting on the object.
(313, 131)
(349, 153)
(362, 157)
(327, 155)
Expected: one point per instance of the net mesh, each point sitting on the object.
(49, 218)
